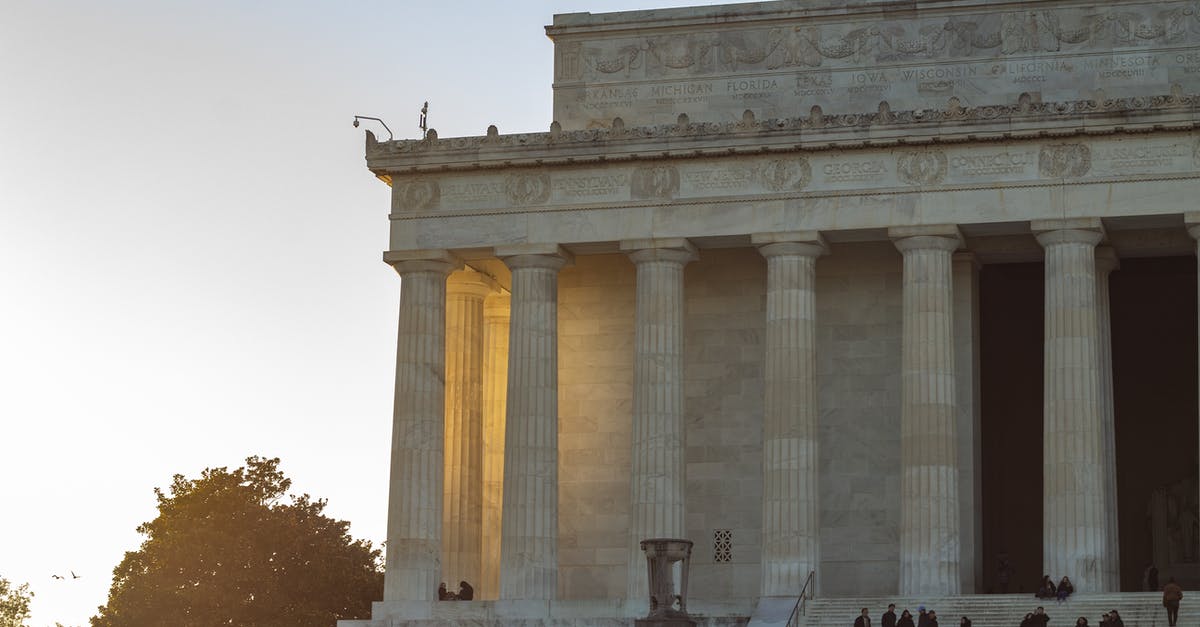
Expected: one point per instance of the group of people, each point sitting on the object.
(466, 592)
(924, 618)
(1109, 619)
(1047, 589)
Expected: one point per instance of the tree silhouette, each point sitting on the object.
(232, 548)
(14, 603)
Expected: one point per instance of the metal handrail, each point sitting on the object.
(805, 594)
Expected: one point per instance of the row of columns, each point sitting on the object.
(1079, 478)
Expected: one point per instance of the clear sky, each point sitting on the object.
(190, 247)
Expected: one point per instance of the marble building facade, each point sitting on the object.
(732, 295)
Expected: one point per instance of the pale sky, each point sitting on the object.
(190, 248)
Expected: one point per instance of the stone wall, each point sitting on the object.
(858, 357)
(858, 308)
(595, 378)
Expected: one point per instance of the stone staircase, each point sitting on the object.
(1137, 609)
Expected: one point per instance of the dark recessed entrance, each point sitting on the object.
(1153, 307)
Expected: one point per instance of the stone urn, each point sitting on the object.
(666, 606)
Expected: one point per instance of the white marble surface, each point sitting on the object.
(930, 540)
(1075, 528)
(414, 540)
(658, 474)
(791, 523)
(529, 531)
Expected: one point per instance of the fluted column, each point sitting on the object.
(929, 520)
(790, 518)
(1192, 219)
(1075, 518)
(658, 480)
(495, 377)
(529, 549)
(414, 531)
(1106, 262)
(462, 518)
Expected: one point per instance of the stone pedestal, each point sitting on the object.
(1075, 532)
(529, 541)
(667, 608)
(790, 519)
(414, 530)
(929, 527)
(657, 474)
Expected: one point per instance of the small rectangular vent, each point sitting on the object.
(722, 545)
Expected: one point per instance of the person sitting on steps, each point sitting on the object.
(1065, 588)
(905, 620)
(1046, 589)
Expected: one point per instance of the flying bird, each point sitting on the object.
(57, 576)
(73, 575)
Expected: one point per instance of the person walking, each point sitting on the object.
(1114, 619)
(864, 620)
(922, 617)
(889, 617)
(1172, 595)
(933, 619)
(905, 620)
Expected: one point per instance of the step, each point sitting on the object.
(1137, 609)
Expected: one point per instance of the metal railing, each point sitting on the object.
(806, 593)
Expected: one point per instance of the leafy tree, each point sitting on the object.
(230, 549)
(14, 603)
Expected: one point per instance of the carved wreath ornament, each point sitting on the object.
(922, 168)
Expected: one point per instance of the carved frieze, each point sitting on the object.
(524, 188)
(926, 167)
(419, 195)
(788, 65)
(656, 182)
(812, 174)
(1064, 160)
(788, 174)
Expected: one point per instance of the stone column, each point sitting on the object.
(462, 518)
(658, 482)
(495, 377)
(529, 540)
(966, 385)
(1192, 219)
(929, 520)
(414, 531)
(790, 519)
(1106, 262)
(1075, 519)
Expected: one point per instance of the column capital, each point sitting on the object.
(1192, 220)
(469, 282)
(966, 256)
(550, 256)
(676, 249)
(1107, 260)
(790, 243)
(435, 260)
(945, 237)
(1068, 231)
